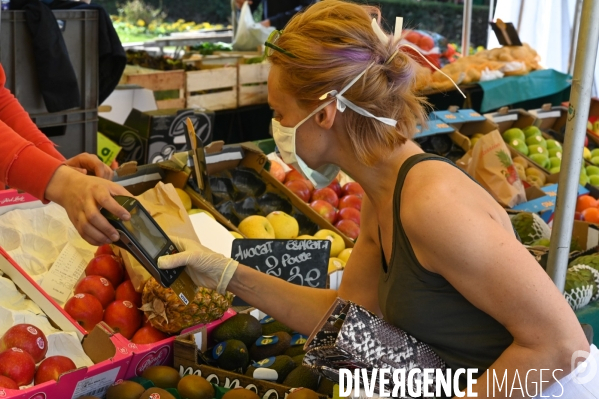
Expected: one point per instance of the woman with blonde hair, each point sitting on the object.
(437, 255)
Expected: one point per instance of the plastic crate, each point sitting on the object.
(80, 32)
(74, 132)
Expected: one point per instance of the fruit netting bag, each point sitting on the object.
(490, 164)
(581, 288)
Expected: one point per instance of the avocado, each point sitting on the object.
(162, 376)
(195, 387)
(326, 387)
(125, 390)
(162, 394)
(271, 326)
(243, 327)
(240, 393)
(231, 355)
(283, 365)
(302, 393)
(295, 351)
(302, 377)
(270, 345)
(298, 359)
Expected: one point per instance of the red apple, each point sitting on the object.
(353, 188)
(86, 309)
(26, 337)
(336, 188)
(350, 201)
(293, 175)
(350, 214)
(277, 171)
(146, 321)
(17, 365)
(108, 266)
(326, 194)
(349, 228)
(126, 292)
(123, 317)
(324, 209)
(52, 368)
(97, 286)
(7, 383)
(148, 335)
(299, 188)
(105, 249)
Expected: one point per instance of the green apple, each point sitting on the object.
(531, 131)
(586, 154)
(536, 140)
(594, 180)
(538, 149)
(539, 159)
(595, 160)
(519, 145)
(513, 133)
(592, 170)
(555, 161)
(554, 170)
(553, 144)
(584, 180)
(555, 152)
(595, 153)
(475, 138)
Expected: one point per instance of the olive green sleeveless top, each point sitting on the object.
(425, 305)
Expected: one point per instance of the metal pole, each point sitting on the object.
(466, 25)
(578, 113)
(574, 35)
(491, 19)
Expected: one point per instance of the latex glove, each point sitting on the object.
(205, 267)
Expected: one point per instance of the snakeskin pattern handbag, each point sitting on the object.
(351, 337)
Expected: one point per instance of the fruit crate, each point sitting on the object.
(158, 81)
(80, 33)
(110, 357)
(550, 117)
(594, 111)
(186, 361)
(252, 88)
(253, 161)
(214, 89)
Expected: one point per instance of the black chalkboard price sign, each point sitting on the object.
(301, 262)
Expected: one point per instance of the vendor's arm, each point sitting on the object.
(18, 120)
(473, 248)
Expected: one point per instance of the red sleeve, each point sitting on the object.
(28, 159)
(13, 115)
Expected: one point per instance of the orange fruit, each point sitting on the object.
(591, 215)
(585, 201)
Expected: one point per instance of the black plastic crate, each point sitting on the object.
(80, 32)
(74, 132)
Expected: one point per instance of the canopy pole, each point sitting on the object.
(578, 113)
(491, 19)
(574, 35)
(466, 25)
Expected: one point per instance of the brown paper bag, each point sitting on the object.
(164, 204)
(490, 164)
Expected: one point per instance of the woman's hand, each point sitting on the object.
(205, 267)
(85, 163)
(82, 197)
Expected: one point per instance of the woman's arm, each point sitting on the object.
(486, 264)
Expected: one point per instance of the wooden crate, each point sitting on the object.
(214, 89)
(252, 87)
(158, 81)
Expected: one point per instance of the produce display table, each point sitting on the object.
(191, 39)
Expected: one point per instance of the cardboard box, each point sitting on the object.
(161, 353)
(550, 117)
(166, 132)
(466, 123)
(134, 147)
(594, 111)
(250, 156)
(106, 350)
(506, 119)
(186, 361)
(542, 201)
(13, 199)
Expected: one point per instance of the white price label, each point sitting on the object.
(96, 385)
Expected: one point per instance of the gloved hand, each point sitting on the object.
(205, 267)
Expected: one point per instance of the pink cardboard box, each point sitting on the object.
(12, 199)
(161, 353)
(111, 357)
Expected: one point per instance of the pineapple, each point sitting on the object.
(511, 174)
(166, 312)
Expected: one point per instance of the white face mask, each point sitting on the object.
(285, 137)
(285, 140)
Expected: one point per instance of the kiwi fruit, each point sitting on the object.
(240, 393)
(162, 376)
(302, 393)
(163, 394)
(125, 390)
(195, 387)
